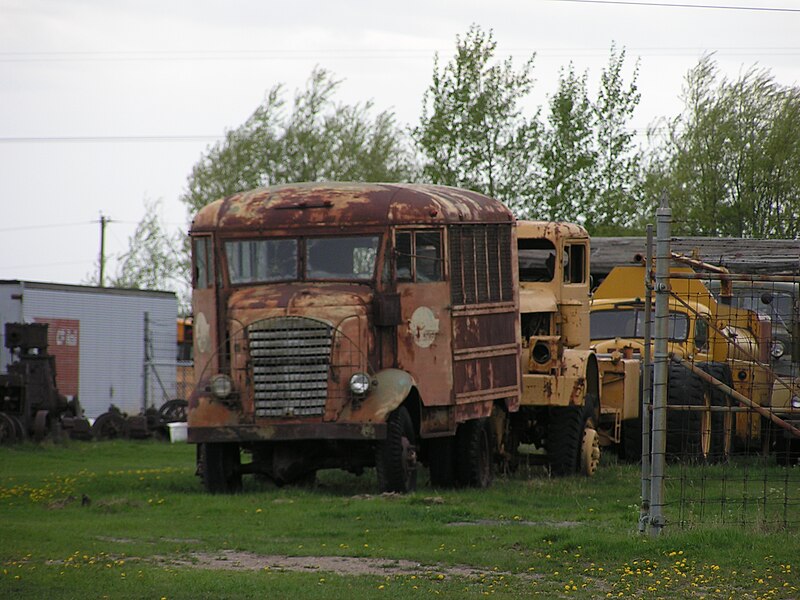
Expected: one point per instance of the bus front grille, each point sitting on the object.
(290, 357)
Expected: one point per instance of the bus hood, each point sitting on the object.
(331, 302)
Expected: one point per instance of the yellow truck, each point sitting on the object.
(559, 409)
(731, 344)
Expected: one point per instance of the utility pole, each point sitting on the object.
(103, 221)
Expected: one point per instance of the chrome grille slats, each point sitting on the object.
(290, 359)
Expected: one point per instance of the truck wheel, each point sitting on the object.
(441, 461)
(219, 467)
(474, 453)
(688, 431)
(590, 450)
(630, 449)
(110, 425)
(787, 450)
(8, 434)
(564, 437)
(722, 423)
(396, 460)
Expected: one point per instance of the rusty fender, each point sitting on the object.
(580, 367)
(389, 389)
(205, 410)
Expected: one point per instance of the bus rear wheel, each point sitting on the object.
(474, 453)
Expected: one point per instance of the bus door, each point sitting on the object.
(424, 336)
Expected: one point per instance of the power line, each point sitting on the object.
(680, 5)
(51, 226)
(109, 138)
(372, 54)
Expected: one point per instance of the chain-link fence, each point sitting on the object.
(167, 380)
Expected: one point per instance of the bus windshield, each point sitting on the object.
(324, 258)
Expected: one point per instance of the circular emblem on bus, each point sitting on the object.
(423, 326)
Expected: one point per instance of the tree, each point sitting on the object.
(617, 203)
(730, 162)
(317, 140)
(155, 259)
(472, 132)
(568, 156)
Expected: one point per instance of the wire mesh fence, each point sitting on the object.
(731, 444)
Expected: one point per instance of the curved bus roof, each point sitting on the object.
(332, 204)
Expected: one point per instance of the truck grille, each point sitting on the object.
(290, 357)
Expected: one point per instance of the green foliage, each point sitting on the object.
(155, 259)
(617, 204)
(569, 155)
(472, 131)
(317, 140)
(148, 530)
(730, 161)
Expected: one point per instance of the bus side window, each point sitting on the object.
(203, 271)
(428, 255)
(402, 252)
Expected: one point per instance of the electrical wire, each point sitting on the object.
(682, 5)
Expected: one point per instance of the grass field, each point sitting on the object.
(129, 520)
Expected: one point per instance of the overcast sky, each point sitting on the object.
(107, 103)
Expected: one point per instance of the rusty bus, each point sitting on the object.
(350, 326)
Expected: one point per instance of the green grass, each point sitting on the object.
(148, 520)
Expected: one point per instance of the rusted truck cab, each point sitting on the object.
(560, 404)
(348, 326)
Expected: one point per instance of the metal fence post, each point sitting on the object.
(646, 400)
(146, 363)
(660, 365)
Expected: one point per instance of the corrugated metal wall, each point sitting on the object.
(111, 341)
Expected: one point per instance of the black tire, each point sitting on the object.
(219, 467)
(8, 434)
(396, 458)
(110, 425)
(441, 461)
(688, 431)
(564, 437)
(173, 411)
(787, 450)
(474, 465)
(630, 448)
(723, 424)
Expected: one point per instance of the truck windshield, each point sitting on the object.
(629, 323)
(266, 260)
(778, 306)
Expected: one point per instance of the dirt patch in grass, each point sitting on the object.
(341, 565)
(492, 522)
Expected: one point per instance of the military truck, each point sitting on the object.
(729, 343)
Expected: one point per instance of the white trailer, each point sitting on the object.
(112, 346)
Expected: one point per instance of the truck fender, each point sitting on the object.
(582, 364)
(390, 387)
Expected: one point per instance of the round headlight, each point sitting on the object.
(359, 384)
(777, 349)
(221, 386)
(795, 402)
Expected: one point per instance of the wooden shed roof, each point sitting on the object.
(738, 255)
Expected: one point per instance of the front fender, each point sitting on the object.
(390, 388)
(581, 367)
